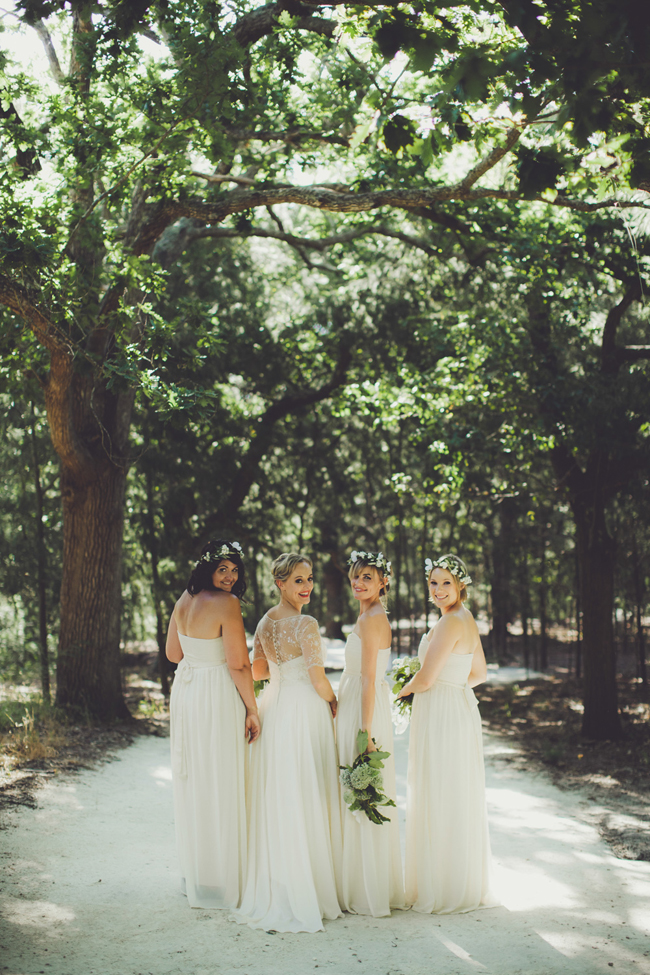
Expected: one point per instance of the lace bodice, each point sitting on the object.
(292, 645)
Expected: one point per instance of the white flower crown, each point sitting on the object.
(226, 550)
(371, 558)
(451, 564)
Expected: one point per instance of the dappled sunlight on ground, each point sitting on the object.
(93, 871)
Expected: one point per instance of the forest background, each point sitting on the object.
(326, 277)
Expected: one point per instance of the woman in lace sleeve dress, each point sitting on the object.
(294, 851)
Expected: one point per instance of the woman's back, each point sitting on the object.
(202, 616)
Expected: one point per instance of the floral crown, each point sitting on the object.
(451, 564)
(371, 558)
(226, 551)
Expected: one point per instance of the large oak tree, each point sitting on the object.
(415, 108)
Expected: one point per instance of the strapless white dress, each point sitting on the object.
(372, 881)
(209, 759)
(447, 842)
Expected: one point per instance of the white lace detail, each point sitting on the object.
(288, 639)
(258, 649)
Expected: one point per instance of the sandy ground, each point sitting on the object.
(89, 885)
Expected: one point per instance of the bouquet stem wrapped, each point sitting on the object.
(403, 669)
(363, 784)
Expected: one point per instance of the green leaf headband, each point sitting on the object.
(371, 558)
(226, 551)
(451, 564)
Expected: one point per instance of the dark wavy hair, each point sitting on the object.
(201, 577)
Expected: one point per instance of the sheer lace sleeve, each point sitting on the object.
(258, 649)
(311, 643)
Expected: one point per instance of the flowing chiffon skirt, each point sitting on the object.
(372, 880)
(209, 757)
(294, 855)
(447, 841)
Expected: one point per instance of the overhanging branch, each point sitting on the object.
(318, 244)
(342, 201)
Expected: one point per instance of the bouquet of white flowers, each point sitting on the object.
(363, 784)
(403, 669)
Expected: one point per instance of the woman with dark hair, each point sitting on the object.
(372, 860)
(213, 715)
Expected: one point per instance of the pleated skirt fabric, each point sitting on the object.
(294, 854)
(209, 765)
(372, 880)
(447, 841)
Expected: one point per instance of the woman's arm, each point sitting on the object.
(260, 663)
(237, 659)
(312, 652)
(478, 673)
(173, 647)
(446, 634)
(371, 630)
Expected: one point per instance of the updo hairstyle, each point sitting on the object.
(211, 556)
(284, 565)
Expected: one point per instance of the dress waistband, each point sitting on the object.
(470, 696)
(353, 673)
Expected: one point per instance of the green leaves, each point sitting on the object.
(537, 170)
(399, 132)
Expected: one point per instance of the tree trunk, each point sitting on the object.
(152, 544)
(596, 566)
(543, 615)
(333, 584)
(501, 588)
(41, 569)
(88, 666)
(640, 642)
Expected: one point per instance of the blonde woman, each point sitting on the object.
(295, 828)
(372, 862)
(447, 842)
(213, 713)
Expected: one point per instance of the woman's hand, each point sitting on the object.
(371, 745)
(406, 690)
(333, 706)
(252, 726)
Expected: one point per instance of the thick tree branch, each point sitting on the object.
(322, 198)
(52, 57)
(611, 356)
(318, 244)
(17, 298)
(266, 423)
(490, 161)
(290, 136)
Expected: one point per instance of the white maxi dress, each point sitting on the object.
(447, 841)
(294, 853)
(209, 758)
(372, 860)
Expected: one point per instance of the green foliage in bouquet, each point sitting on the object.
(363, 783)
(402, 671)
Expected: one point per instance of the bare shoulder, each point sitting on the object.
(227, 604)
(450, 623)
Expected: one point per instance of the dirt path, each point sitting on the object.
(88, 885)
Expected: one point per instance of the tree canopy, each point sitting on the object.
(460, 186)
